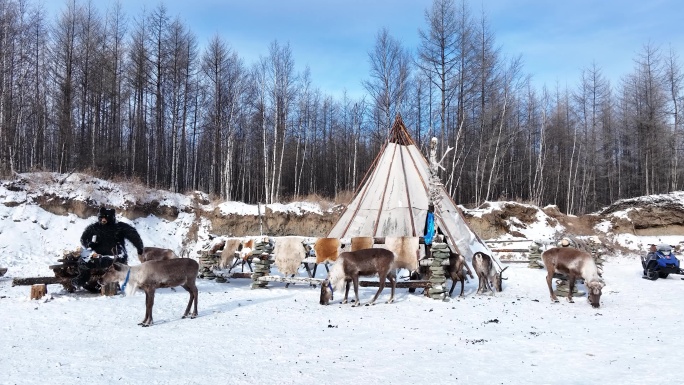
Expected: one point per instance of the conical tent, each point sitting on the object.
(393, 199)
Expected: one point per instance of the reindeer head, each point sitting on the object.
(113, 273)
(326, 292)
(498, 280)
(594, 296)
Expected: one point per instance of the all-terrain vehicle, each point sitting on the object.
(660, 262)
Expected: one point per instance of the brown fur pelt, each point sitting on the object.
(327, 249)
(359, 243)
(231, 245)
(246, 248)
(289, 253)
(406, 249)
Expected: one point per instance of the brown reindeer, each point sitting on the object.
(489, 278)
(150, 276)
(457, 271)
(156, 254)
(352, 264)
(574, 263)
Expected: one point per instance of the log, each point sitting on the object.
(38, 291)
(400, 284)
(305, 280)
(109, 289)
(237, 274)
(37, 280)
(508, 240)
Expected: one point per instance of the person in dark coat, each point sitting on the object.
(105, 240)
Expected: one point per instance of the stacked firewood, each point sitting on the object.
(68, 267)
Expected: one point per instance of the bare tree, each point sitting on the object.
(389, 73)
(674, 80)
(439, 53)
(139, 70)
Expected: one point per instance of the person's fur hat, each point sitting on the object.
(110, 214)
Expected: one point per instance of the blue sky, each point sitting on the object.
(333, 37)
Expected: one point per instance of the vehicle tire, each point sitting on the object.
(662, 275)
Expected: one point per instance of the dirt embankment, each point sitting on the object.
(275, 224)
(272, 223)
(653, 215)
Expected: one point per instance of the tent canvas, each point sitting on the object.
(393, 199)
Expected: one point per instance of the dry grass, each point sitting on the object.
(344, 197)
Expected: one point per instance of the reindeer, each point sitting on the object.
(487, 274)
(574, 263)
(352, 264)
(156, 254)
(457, 271)
(150, 276)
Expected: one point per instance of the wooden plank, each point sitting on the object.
(510, 240)
(37, 281)
(510, 250)
(400, 284)
(381, 241)
(277, 278)
(236, 274)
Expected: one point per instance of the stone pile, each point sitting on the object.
(262, 259)
(534, 256)
(440, 255)
(207, 262)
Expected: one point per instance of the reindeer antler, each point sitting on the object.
(501, 272)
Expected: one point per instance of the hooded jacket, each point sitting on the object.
(109, 238)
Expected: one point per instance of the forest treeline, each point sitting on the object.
(139, 97)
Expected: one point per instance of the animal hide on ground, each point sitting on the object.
(406, 249)
(289, 253)
(327, 249)
(359, 243)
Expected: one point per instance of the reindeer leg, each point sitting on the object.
(549, 278)
(346, 291)
(382, 278)
(393, 282)
(355, 280)
(453, 284)
(462, 279)
(192, 289)
(195, 293)
(149, 302)
(571, 287)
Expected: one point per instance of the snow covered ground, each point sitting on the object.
(282, 335)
